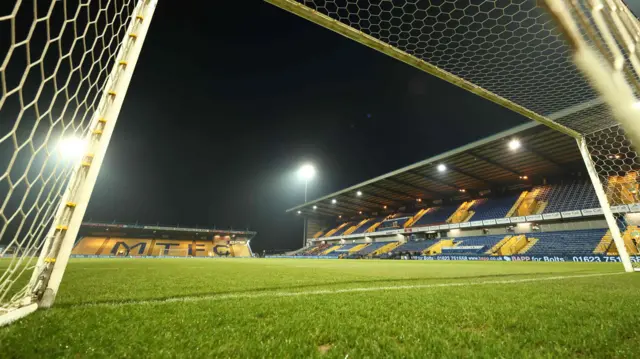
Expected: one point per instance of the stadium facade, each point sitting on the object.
(522, 194)
(132, 240)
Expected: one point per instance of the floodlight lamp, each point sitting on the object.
(359, 193)
(307, 172)
(442, 168)
(514, 144)
(72, 147)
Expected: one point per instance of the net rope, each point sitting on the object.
(57, 58)
(513, 49)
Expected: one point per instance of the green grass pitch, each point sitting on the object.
(294, 308)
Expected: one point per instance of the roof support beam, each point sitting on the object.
(494, 163)
(543, 156)
(318, 211)
(467, 174)
(343, 205)
(434, 180)
(385, 198)
(368, 206)
(417, 188)
(391, 191)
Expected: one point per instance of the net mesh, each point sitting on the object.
(512, 49)
(56, 58)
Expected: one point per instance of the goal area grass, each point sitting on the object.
(293, 308)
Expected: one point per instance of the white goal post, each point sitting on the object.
(65, 70)
(518, 54)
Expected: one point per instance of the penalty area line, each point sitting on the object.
(275, 294)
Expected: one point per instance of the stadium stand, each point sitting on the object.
(339, 250)
(473, 245)
(365, 227)
(393, 223)
(414, 246)
(566, 243)
(569, 197)
(436, 215)
(98, 239)
(493, 208)
(371, 248)
(552, 243)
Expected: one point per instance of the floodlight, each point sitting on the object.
(72, 147)
(514, 144)
(307, 172)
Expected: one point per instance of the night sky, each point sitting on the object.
(227, 102)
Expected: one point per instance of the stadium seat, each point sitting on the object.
(473, 245)
(569, 197)
(89, 245)
(393, 223)
(414, 246)
(566, 243)
(436, 215)
(493, 208)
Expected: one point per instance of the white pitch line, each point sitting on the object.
(275, 294)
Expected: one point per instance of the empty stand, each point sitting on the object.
(372, 247)
(338, 250)
(473, 245)
(493, 208)
(365, 227)
(566, 243)
(336, 229)
(569, 197)
(436, 215)
(414, 246)
(89, 245)
(357, 226)
(393, 223)
(344, 227)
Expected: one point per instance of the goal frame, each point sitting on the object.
(56, 249)
(361, 37)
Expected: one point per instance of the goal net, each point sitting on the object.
(64, 70)
(516, 53)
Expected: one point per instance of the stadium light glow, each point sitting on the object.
(385, 206)
(442, 167)
(358, 193)
(340, 216)
(307, 172)
(299, 212)
(359, 212)
(514, 144)
(315, 207)
(334, 201)
(72, 148)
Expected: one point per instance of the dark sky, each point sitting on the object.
(228, 101)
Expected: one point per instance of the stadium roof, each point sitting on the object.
(485, 164)
(159, 228)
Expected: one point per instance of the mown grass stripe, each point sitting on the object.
(273, 294)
